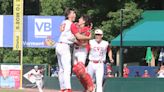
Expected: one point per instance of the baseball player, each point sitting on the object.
(81, 51)
(97, 57)
(126, 71)
(66, 39)
(38, 77)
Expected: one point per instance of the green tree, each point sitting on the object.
(39, 55)
(111, 27)
(105, 14)
(10, 56)
(31, 7)
(97, 9)
(6, 7)
(53, 7)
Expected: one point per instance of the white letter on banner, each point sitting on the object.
(43, 27)
(1, 30)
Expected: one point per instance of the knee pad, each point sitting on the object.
(79, 69)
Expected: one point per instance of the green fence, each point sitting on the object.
(134, 85)
(53, 83)
(116, 84)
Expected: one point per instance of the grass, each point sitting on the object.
(26, 90)
(7, 90)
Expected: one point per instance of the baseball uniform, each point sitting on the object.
(38, 78)
(97, 57)
(80, 46)
(64, 55)
(80, 54)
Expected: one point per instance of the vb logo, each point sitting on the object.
(43, 27)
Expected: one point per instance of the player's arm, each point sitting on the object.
(79, 36)
(82, 37)
(29, 75)
(62, 27)
(110, 55)
(42, 70)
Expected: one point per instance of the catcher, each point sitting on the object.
(80, 52)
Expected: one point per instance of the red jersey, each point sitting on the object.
(109, 68)
(84, 31)
(76, 29)
(126, 72)
(145, 75)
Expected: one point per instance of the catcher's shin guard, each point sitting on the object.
(83, 76)
(79, 69)
(89, 85)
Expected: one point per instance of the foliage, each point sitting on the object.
(6, 7)
(112, 26)
(105, 14)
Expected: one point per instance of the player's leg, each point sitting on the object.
(78, 66)
(38, 83)
(83, 76)
(82, 55)
(79, 69)
(91, 69)
(99, 77)
(66, 63)
(79, 57)
(61, 69)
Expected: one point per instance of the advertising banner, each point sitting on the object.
(9, 76)
(1, 31)
(38, 31)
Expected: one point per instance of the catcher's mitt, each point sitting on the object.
(49, 42)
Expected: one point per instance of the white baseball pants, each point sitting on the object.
(64, 61)
(96, 70)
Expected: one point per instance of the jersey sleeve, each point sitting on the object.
(86, 30)
(62, 26)
(87, 33)
(88, 47)
(74, 29)
(108, 48)
(63, 23)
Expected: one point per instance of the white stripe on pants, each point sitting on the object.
(97, 70)
(64, 61)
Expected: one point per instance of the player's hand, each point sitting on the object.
(91, 25)
(49, 42)
(111, 60)
(90, 36)
(62, 27)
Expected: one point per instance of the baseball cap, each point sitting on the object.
(98, 31)
(36, 67)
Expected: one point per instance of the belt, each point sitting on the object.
(97, 61)
(64, 43)
(77, 47)
(38, 79)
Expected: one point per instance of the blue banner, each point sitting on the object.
(38, 31)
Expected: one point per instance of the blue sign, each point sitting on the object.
(38, 32)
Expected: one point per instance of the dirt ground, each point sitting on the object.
(29, 90)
